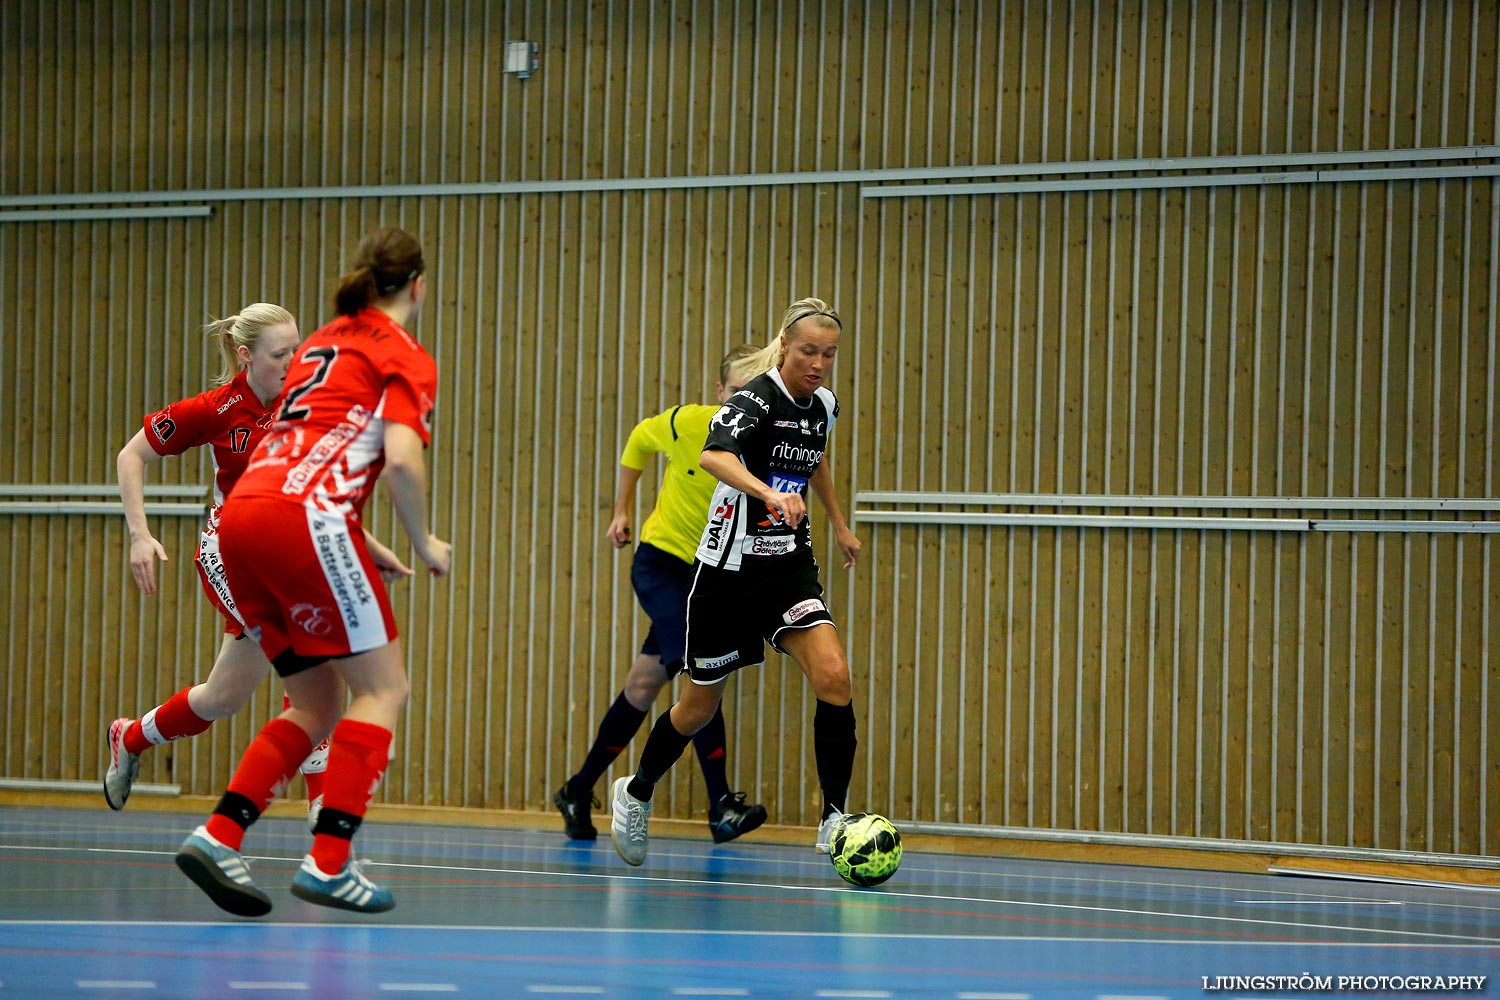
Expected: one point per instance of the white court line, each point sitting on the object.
(243, 985)
(564, 989)
(994, 996)
(1490, 944)
(1127, 996)
(115, 984)
(419, 987)
(894, 895)
(709, 991)
(912, 864)
(873, 994)
(1320, 902)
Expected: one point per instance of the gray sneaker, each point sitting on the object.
(123, 768)
(826, 830)
(223, 874)
(627, 823)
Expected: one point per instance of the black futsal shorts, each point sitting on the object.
(731, 615)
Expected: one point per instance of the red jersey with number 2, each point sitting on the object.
(229, 418)
(327, 446)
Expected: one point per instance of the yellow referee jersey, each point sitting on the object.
(676, 523)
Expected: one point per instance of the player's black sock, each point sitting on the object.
(616, 730)
(833, 745)
(709, 743)
(663, 747)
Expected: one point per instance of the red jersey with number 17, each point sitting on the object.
(327, 446)
(230, 418)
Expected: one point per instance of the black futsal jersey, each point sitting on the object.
(781, 440)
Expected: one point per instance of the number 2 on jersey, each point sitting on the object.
(325, 357)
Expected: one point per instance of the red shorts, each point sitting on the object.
(216, 583)
(304, 582)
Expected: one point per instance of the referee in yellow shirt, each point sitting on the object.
(662, 575)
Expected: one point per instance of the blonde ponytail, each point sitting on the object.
(245, 329)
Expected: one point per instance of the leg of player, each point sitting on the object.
(211, 854)
(616, 729)
(630, 799)
(358, 754)
(238, 671)
(820, 655)
(312, 770)
(729, 815)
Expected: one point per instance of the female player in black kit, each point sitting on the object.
(756, 578)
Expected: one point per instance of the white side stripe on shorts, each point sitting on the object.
(353, 594)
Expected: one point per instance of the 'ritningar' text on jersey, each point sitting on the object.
(781, 440)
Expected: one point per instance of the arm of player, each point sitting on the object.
(726, 467)
(390, 565)
(406, 478)
(130, 466)
(619, 525)
(822, 484)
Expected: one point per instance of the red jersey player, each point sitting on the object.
(231, 418)
(358, 403)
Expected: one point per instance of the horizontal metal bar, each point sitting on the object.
(45, 785)
(1150, 521)
(49, 507)
(107, 214)
(1196, 844)
(96, 490)
(1425, 883)
(1417, 527)
(584, 185)
(1180, 181)
(1193, 502)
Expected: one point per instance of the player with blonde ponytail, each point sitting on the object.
(755, 578)
(231, 418)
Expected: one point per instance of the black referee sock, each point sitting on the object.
(616, 730)
(709, 744)
(833, 746)
(663, 747)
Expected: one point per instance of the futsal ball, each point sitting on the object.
(866, 849)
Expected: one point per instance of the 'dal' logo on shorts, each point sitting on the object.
(799, 611)
(309, 617)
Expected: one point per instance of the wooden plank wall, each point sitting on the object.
(1301, 340)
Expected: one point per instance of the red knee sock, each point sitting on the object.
(264, 770)
(357, 757)
(313, 767)
(171, 720)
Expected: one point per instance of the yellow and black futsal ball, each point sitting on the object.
(866, 849)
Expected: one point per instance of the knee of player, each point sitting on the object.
(641, 689)
(689, 718)
(832, 685)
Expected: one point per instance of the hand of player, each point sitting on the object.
(390, 565)
(848, 545)
(143, 555)
(619, 531)
(790, 506)
(437, 554)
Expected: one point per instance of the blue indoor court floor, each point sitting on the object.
(92, 906)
